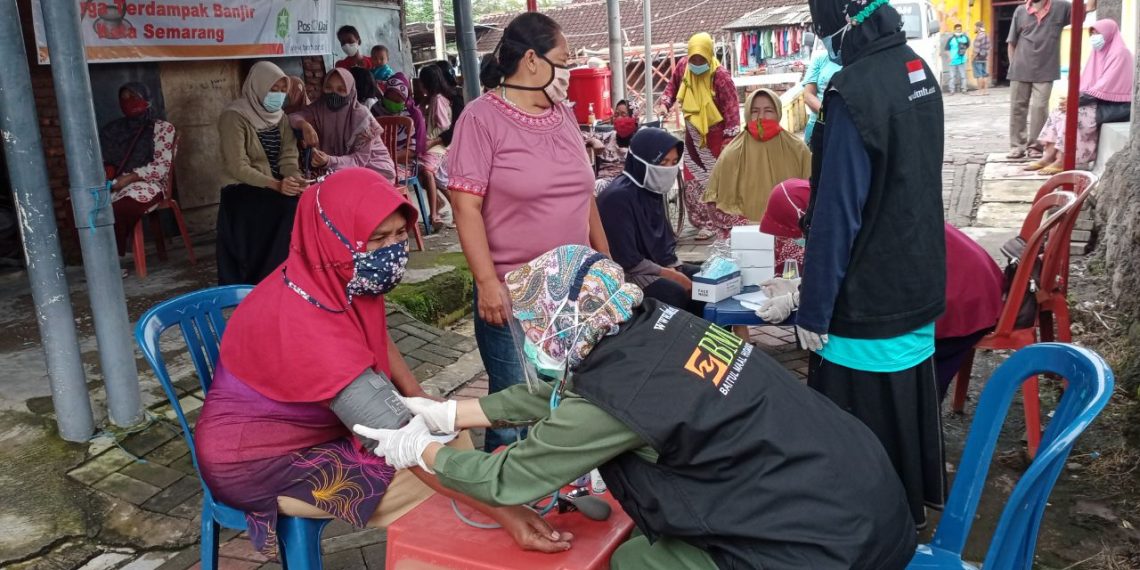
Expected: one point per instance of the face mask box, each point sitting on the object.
(749, 238)
(716, 290)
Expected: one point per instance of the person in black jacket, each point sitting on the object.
(875, 262)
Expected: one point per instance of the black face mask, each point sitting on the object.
(335, 102)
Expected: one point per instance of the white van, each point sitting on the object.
(920, 22)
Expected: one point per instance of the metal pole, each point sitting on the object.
(28, 174)
(648, 29)
(440, 30)
(91, 200)
(1076, 34)
(465, 42)
(617, 53)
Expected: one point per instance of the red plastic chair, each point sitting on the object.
(1043, 241)
(392, 126)
(1052, 297)
(169, 203)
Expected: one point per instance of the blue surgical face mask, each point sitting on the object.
(833, 54)
(273, 101)
(800, 242)
(544, 364)
(699, 69)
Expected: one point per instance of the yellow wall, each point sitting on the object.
(952, 12)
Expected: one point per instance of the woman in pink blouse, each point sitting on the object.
(520, 181)
(711, 108)
(138, 151)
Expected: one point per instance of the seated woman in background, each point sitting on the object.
(138, 150)
(974, 282)
(261, 174)
(1106, 86)
(297, 97)
(367, 93)
(308, 352)
(632, 209)
(341, 132)
(610, 147)
(444, 104)
(397, 102)
(762, 155)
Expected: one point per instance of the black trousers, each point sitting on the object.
(254, 228)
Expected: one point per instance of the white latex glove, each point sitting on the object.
(778, 286)
(401, 448)
(778, 309)
(439, 416)
(809, 340)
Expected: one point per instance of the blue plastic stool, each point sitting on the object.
(199, 315)
(1014, 541)
(413, 180)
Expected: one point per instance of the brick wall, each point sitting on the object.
(314, 75)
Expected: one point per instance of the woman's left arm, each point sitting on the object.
(158, 168)
(576, 438)
(402, 376)
(598, 239)
(727, 102)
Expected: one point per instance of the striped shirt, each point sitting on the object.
(271, 143)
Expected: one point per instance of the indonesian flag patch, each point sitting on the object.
(915, 71)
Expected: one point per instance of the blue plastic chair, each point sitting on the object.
(1015, 539)
(199, 315)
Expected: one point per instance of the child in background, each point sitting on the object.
(349, 39)
(381, 71)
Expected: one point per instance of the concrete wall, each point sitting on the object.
(196, 92)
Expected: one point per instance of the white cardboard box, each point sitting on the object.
(754, 258)
(751, 276)
(716, 290)
(750, 237)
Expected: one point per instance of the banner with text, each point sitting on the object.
(124, 30)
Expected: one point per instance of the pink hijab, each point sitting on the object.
(340, 129)
(1109, 71)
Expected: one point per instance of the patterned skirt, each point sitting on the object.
(1088, 133)
(337, 477)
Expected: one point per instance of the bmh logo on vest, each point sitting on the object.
(915, 71)
(718, 358)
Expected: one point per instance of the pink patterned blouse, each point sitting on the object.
(532, 173)
(154, 173)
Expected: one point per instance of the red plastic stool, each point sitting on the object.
(431, 537)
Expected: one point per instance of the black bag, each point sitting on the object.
(1113, 112)
(1027, 313)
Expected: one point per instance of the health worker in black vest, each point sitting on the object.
(719, 455)
(875, 261)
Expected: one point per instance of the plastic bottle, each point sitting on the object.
(597, 486)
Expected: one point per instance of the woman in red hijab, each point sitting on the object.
(272, 437)
(973, 281)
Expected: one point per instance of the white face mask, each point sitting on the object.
(1097, 42)
(559, 86)
(658, 179)
(350, 49)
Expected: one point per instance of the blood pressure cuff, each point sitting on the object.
(371, 401)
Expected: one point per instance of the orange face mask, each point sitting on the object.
(764, 129)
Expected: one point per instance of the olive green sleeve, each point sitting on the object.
(576, 437)
(517, 405)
